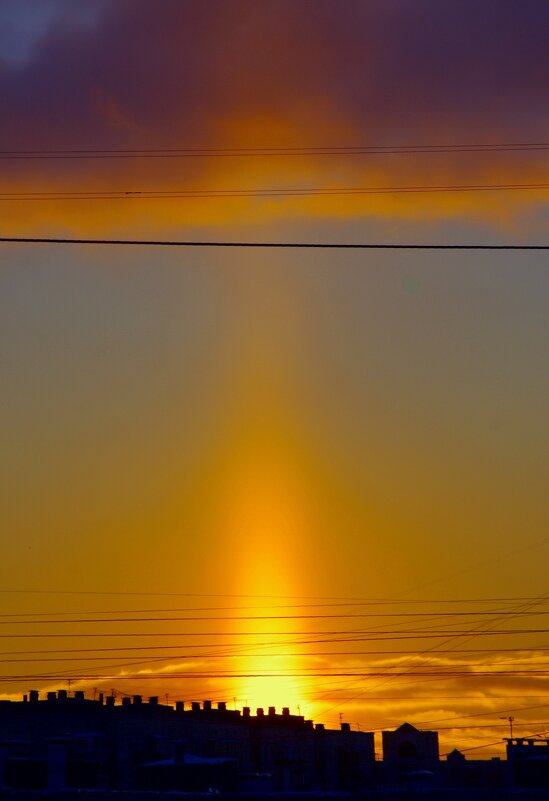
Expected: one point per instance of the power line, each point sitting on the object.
(181, 194)
(247, 654)
(498, 742)
(432, 698)
(277, 245)
(337, 600)
(480, 714)
(476, 747)
(366, 634)
(483, 726)
(338, 616)
(337, 604)
(476, 631)
(444, 670)
(209, 657)
(343, 150)
(226, 595)
(519, 674)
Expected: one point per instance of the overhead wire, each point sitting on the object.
(378, 635)
(452, 672)
(269, 605)
(103, 649)
(180, 194)
(461, 674)
(239, 152)
(262, 245)
(354, 599)
(477, 630)
(338, 616)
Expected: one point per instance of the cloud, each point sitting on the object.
(466, 710)
(23, 23)
(214, 74)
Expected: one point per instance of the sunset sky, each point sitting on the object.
(351, 446)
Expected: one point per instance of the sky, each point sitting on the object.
(232, 434)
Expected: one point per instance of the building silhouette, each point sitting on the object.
(410, 755)
(63, 742)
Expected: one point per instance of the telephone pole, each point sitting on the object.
(510, 719)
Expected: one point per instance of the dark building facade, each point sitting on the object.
(528, 761)
(64, 741)
(410, 754)
(61, 742)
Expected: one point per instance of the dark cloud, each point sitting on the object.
(208, 73)
(388, 71)
(23, 23)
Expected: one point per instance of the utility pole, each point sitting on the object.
(510, 719)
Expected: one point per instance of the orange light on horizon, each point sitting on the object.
(266, 524)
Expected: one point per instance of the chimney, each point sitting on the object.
(51, 696)
(222, 706)
(79, 695)
(110, 700)
(260, 712)
(62, 695)
(101, 699)
(153, 700)
(272, 711)
(33, 696)
(246, 712)
(25, 698)
(345, 727)
(207, 706)
(195, 706)
(286, 711)
(126, 701)
(179, 706)
(319, 727)
(137, 699)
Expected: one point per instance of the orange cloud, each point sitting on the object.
(216, 76)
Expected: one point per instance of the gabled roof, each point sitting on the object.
(407, 727)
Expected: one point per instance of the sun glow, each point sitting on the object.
(266, 533)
